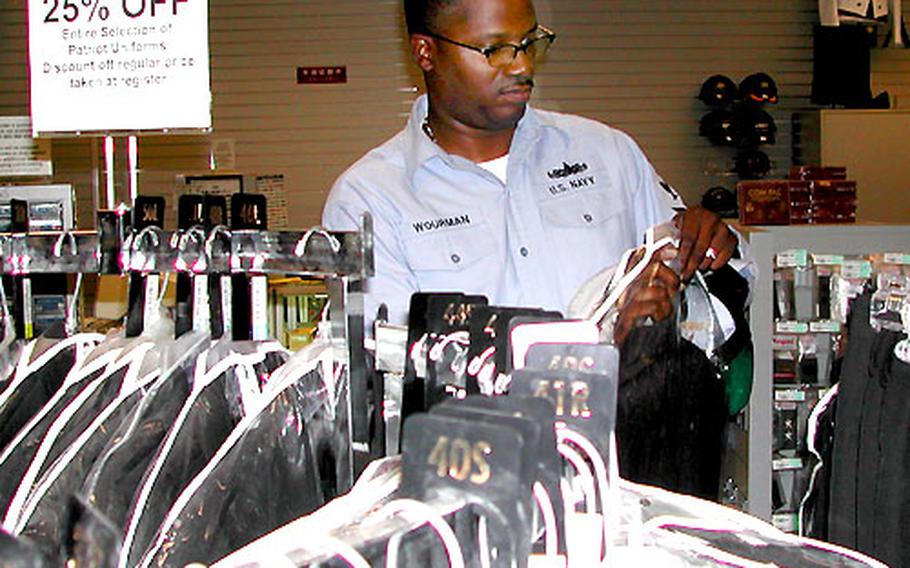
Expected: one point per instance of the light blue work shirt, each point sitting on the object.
(578, 194)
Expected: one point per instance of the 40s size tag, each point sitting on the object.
(444, 453)
(478, 460)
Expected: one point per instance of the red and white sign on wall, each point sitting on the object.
(118, 65)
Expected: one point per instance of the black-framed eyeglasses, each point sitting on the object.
(503, 54)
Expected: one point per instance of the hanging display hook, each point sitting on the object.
(301, 247)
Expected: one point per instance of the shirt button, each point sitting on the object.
(523, 251)
(456, 259)
(588, 217)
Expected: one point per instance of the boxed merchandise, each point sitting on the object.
(775, 202)
(800, 202)
(833, 201)
(764, 202)
(808, 172)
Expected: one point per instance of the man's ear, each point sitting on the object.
(423, 50)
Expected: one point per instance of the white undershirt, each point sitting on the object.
(497, 167)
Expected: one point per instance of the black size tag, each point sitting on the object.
(477, 459)
(541, 454)
(417, 317)
(249, 212)
(18, 222)
(583, 402)
(486, 409)
(446, 315)
(214, 211)
(189, 210)
(489, 327)
(112, 228)
(148, 211)
(414, 390)
(447, 359)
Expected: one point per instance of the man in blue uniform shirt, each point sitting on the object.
(484, 194)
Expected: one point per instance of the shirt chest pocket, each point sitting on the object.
(594, 225)
(449, 250)
(581, 210)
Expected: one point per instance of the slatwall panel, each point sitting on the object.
(639, 66)
(636, 65)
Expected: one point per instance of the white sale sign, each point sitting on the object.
(118, 65)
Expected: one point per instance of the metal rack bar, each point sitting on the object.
(343, 259)
(313, 253)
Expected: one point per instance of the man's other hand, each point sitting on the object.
(650, 297)
(705, 241)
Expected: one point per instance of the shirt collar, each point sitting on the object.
(420, 149)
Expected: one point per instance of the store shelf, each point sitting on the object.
(766, 242)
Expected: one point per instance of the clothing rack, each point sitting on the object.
(342, 259)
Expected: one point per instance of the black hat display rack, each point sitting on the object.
(132, 242)
(737, 119)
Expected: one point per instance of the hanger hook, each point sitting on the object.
(151, 236)
(217, 231)
(195, 234)
(58, 245)
(300, 249)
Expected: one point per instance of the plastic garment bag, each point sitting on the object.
(207, 417)
(39, 374)
(71, 422)
(869, 504)
(670, 412)
(16, 457)
(17, 552)
(377, 484)
(265, 475)
(111, 483)
(44, 518)
(9, 357)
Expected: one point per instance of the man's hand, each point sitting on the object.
(705, 241)
(650, 296)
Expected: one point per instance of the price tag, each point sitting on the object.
(789, 395)
(897, 258)
(784, 342)
(152, 306)
(115, 65)
(792, 258)
(856, 269)
(828, 259)
(781, 464)
(201, 308)
(259, 306)
(786, 522)
(791, 327)
(227, 308)
(825, 326)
